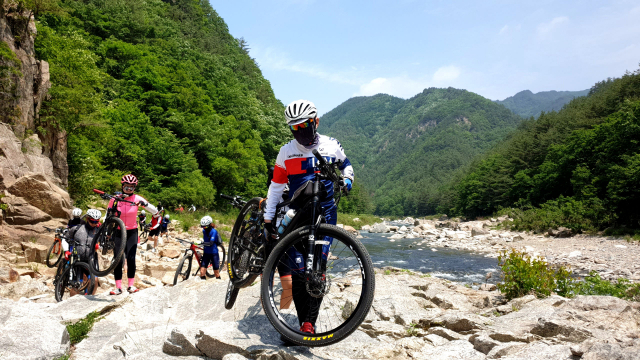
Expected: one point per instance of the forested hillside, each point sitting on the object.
(527, 104)
(159, 89)
(405, 151)
(579, 167)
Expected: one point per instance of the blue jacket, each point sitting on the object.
(164, 224)
(211, 235)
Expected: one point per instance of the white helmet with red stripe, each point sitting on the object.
(129, 179)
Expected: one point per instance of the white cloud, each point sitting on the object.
(504, 30)
(546, 28)
(509, 29)
(401, 86)
(278, 60)
(446, 74)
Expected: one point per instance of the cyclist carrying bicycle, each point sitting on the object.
(296, 165)
(211, 240)
(128, 214)
(83, 235)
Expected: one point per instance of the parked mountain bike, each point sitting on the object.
(144, 235)
(73, 275)
(108, 244)
(327, 273)
(55, 250)
(184, 266)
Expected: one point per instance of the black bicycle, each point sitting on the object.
(73, 276)
(184, 266)
(110, 240)
(313, 272)
(144, 235)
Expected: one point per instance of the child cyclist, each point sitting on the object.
(211, 240)
(128, 214)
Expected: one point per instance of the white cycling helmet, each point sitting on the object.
(206, 221)
(299, 111)
(142, 212)
(166, 216)
(94, 214)
(76, 212)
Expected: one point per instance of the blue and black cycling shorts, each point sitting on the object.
(213, 259)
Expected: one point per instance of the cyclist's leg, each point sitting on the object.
(284, 271)
(117, 272)
(216, 265)
(130, 251)
(204, 263)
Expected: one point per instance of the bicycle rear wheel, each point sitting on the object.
(54, 252)
(144, 236)
(112, 239)
(222, 253)
(74, 280)
(335, 300)
(246, 228)
(184, 269)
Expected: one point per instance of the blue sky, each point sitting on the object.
(328, 51)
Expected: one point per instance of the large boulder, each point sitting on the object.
(40, 192)
(35, 252)
(379, 228)
(29, 332)
(21, 212)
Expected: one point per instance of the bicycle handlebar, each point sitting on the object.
(326, 168)
(227, 197)
(106, 196)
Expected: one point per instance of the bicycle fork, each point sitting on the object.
(312, 242)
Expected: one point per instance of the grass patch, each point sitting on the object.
(387, 272)
(363, 219)
(525, 275)
(79, 330)
(33, 240)
(63, 357)
(412, 330)
(188, 219)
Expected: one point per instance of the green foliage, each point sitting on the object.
(408, 151)
(358, 201)
(527, 104)
(526, 275)
(363, 219)
(161, 90)
(9, 74)
(581, 165)
(80, 330)
(594, 285)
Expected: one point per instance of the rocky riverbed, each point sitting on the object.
(412, 317)
(611, 257)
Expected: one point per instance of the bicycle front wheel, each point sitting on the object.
(335, 300)
(54, 252)
(74, 280)
(111, 240)
(222, 253)
(183, 271)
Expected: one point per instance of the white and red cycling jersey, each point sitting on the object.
(296, 164)
(156, 220)
(129, 212)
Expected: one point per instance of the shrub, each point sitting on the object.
(525, 275)
(594, 285)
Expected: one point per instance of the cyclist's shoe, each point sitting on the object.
(203, 277)
(132, 289)
(307, 327)
(219, 278)
(117, 291)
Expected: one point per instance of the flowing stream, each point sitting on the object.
(456, 265)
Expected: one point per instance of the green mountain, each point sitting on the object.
(405, 151)
(159, 89)
(578, 167)
(527, 104)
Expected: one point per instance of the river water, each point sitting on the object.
(455, 265)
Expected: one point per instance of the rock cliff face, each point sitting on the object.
(33, 165)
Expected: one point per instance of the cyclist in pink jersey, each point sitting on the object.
(129, 214)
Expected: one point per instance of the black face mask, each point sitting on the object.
(306, 136)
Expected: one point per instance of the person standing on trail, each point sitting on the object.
(164, 226)
(154, 232)
(77, 220)
(142, 220)
(296, 165)
(128, 214)
(211, 240)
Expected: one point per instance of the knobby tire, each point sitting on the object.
(94, 262)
